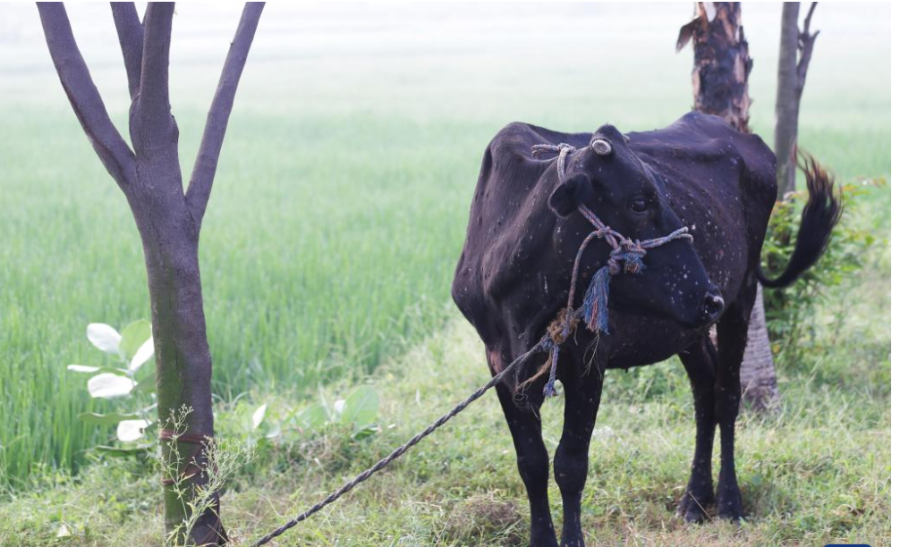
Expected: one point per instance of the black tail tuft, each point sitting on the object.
(820, 215)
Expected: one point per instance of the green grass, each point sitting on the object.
(328, 249)
(817, 473)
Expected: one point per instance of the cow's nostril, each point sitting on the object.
(714, 305)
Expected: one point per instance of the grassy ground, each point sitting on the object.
(817, 473)
(337, 217)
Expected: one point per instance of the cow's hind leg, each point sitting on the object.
(570, 465)
(732, 339)
(524, 421)
(699, 361)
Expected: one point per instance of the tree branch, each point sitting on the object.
(204, 171)
(83, 94)
(131, 39)
(152, 123)
(805, 42)
(808, 18)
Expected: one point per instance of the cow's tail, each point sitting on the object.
(820, 215)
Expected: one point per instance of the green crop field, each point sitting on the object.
(336, 220)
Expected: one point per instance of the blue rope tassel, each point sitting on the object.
(595, 308)
(596, 302)
(626, 255)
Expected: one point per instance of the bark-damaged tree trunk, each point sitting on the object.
(722, 62)
(168, 220)
(722, 66)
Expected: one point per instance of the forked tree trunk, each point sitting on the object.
(791, 80)
(168, 220)
(787, 111)
(184, 374)
(722, 67)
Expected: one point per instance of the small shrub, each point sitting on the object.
(224, 458)
(325, 434)
(132, 349)
(790, 312)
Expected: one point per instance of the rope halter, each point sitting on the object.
(626, 256)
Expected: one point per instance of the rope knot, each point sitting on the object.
(606, 233)
(546, 343)
(564, 325)
(625, 255)
(629, 254)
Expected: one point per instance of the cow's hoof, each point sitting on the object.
(573, 541)
(691, 511)
(543, 540)
(729, 506)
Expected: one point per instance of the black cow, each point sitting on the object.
(514, 273)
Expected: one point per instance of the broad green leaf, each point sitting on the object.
(82, 368)
(361, 407)
(258, 416)
(143, 354)
(312, 417)
(106, 419)
(91, 370)
(133, 337)
(104, 337)
(365, 432)
(131, 430)
(273, 431)
(109, 386)
(339, 407)
(147, 385)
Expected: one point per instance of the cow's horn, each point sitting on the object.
(601, 147)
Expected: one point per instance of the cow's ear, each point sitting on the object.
(573, 191)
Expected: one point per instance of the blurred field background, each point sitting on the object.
(337, 217)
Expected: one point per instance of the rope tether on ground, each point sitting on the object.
(594, 310)
(349, 485)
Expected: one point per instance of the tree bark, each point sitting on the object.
(786, 104)
(791, 80)
(758, 380)
(722, 67)
(184, 367)
(722, 63)
(169, 224)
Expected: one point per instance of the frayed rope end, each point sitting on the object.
(596, 302)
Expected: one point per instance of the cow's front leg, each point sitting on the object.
(582, 393)
(700, 363)
(524, 423)
(732, 343)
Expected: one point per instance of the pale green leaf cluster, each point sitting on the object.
(132, 348)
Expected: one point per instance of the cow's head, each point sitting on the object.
(627, 195)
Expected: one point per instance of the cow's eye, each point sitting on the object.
(639, 205)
